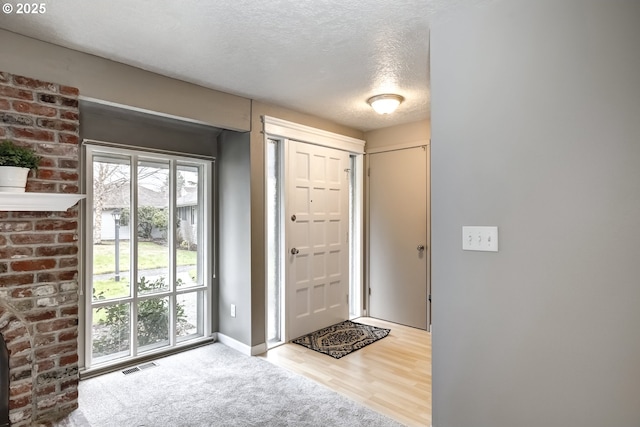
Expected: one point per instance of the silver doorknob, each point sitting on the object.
(420, 248)
(294, 251)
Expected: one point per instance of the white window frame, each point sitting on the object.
(207, 194)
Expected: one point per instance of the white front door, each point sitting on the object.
(398, 252)
(317, 225)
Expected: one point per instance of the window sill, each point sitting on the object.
(30, 202)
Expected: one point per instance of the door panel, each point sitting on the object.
(398, 226)
(318, 274)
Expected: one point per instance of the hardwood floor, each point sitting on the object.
(391, 376)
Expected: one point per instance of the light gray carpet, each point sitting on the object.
(215, 385)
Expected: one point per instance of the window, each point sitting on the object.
(355, 279)
(148, 262)
(274, 244)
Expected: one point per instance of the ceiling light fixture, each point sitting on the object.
(385, 104)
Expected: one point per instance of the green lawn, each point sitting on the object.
(110, 288)
(150, 255)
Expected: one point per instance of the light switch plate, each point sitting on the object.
(480, 238)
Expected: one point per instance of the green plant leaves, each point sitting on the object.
(21, 157)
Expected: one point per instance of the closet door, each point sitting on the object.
(398, 252)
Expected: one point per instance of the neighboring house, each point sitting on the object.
(188, 213)
(186, 204)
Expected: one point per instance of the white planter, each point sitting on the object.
(13, 179)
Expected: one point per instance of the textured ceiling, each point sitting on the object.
(321, 57)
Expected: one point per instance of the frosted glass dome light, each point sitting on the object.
(385, 104)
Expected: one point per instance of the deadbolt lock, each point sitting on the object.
(293, 218)
(294, 251)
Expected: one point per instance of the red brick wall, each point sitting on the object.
(39, 255)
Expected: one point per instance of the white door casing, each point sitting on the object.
(317, 224)
(397, 228)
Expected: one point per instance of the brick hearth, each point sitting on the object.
(39, 255)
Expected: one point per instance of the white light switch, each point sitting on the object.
(476, 238)
(233, 310)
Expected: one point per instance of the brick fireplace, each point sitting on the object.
(39, 256)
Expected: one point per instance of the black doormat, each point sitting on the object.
(342, 338)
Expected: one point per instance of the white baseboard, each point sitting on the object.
(259, 349)
(241, 347)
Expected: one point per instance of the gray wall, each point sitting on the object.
(536, 129)
(120, 125)
(406, 133)
(105, 80)
(234, 236)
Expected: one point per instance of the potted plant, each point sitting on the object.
(15, 164)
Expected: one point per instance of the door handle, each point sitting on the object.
(420, 248)
(294, 251)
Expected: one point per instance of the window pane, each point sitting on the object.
(188, 241)
(111, 199)
(354, 289)
(110, 332)
(153, 221)
(153, 323)
(189, 315)
(273, 243)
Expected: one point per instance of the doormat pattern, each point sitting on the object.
(342, 338)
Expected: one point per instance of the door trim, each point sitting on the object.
(275, 128)
(284, 131)
(404, 146)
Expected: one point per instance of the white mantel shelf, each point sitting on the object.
(52, 202)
